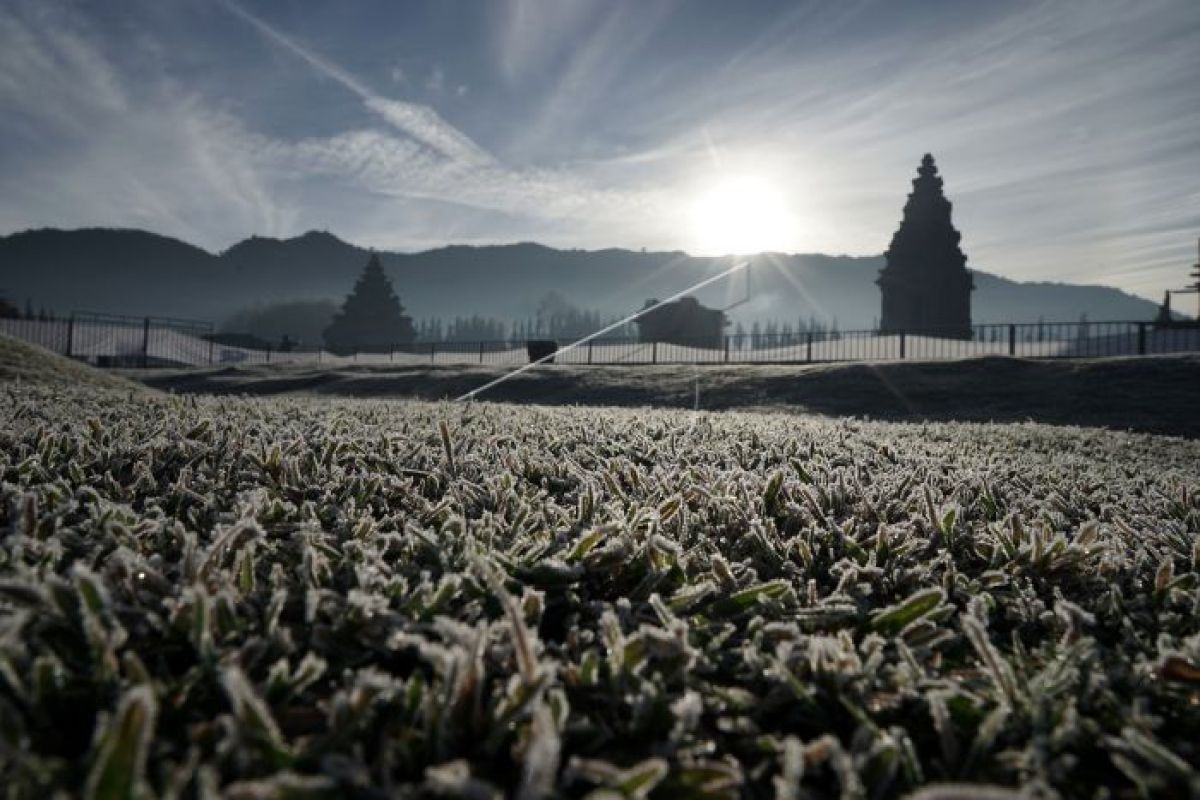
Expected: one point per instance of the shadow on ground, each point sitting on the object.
(1152, 394)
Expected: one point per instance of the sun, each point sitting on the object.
(739, 216)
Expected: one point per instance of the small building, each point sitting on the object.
(925, 285)
(683, 322)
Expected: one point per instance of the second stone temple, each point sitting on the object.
(925, 284)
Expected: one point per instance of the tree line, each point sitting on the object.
(8, 310)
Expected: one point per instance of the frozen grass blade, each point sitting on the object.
(120, 766)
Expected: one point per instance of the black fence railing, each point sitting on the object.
(108, 340)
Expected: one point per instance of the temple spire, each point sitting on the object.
(925, 284)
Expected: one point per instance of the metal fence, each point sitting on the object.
(108, 340)
(112, 340)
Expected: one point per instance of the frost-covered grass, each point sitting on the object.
(21, 361)
(303, 598)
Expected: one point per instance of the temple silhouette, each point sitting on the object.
(683, 322)
(372, 319)
(925, 284)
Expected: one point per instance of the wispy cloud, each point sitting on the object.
(83, 149)
(1068, 134)
(417, 121)
(433, 159)
(529, 34)
(1061, 128)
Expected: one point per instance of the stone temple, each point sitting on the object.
(925, 284)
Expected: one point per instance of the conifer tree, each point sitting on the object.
(7, 309)
(371, 319)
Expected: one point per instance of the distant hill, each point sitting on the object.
(136, 272)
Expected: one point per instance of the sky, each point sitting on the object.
(1068, 133)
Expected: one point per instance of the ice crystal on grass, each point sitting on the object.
(297, 598)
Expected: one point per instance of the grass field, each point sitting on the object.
(298, 597)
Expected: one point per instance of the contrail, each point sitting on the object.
(419, 122)
(474, 392)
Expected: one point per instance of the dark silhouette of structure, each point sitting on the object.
(925, 284)
(372, 319)
(538, 349)
(1165, 318)
(683, 322)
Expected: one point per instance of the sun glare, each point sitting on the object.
(740, 216)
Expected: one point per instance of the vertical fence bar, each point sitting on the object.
(590, 343)
(901, 344)
(808, 348)
(70, 335)
(654, 353)
(145, 343)
(1012, 340)
(1141, 347)
(432, 351)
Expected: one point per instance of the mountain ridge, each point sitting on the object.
(129, 270)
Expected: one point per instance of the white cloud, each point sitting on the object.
(1054, 123)
(93, 152)
(531, 33)
(432, 159)
(417, 121)
(1068, 134)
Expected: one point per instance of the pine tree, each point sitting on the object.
(371, 319)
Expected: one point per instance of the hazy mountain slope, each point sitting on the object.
(135, 272)
(997, 299)
(317, 264)
(119, 271)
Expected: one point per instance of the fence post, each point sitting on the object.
(210, 349)
(590, 343)
(808, 348)
(432, 351)
(727, 349)
(1012, 340)
(145, 343)
(481, 352)
(70, 334)
(654, 353)
(1141, 338)
(902, 344)
(268, 354)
